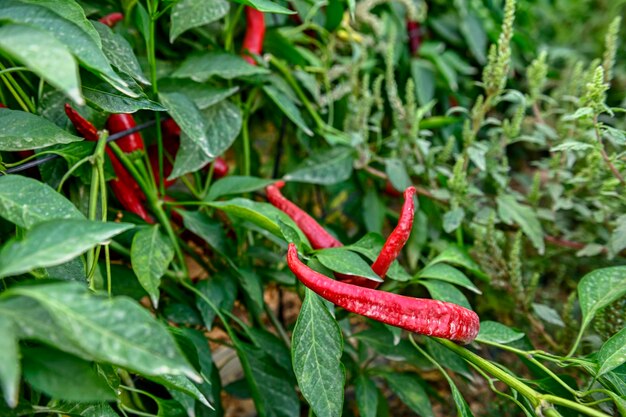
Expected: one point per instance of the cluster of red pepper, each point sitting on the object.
(359, 295)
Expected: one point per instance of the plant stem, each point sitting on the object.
(605, 156)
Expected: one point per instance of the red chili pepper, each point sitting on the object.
(220, 168)
(390, 190)
(124, 186)
(255, 32)
(111, 19)
(392, 247)
(316, 234)
(424, 316)
(121, 122)
(415, 36)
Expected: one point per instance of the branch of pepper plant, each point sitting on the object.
(553, 240)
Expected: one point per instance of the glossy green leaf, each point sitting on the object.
(63, 376)
(182, 384)
(100, 95)
(411, 392)
(212, 231)
(453, 219)
(397, 173)
(459, 257)
(85, 409)
(510, 211)
(448, 359)
(443, 291)
(99, 327)
(316, 352)
(44, 55)
(9, 362)
(266, 6)
(598, 289)
(203, 95)
(55, 242)
(326, 167)
(26, 202)
(447, 273)
(236, 184)
(494, 332)
(346, 262)
(82, 44)
(188, 14)
(188, 117)
(20, 131)
(120, 53)
(221, 290)
(287, 106)
(547, 314)
(201, 67)
(612, 353)
(150, 254)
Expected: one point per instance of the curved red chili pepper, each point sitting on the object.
(124, 187)
(120, 122)
(111, 19)
(424, 316)
(393, 245)
(316, 234)
(415, 36)
(255, 33)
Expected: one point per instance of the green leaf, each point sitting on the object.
(612, 353)
(63, 376)
(316, 355)
(99, 327)
(288, 107)
(188, 14)
(398, 176)
(150, 254)
(55, 242)
(459, 257)
(510, 211)
(617, 242)
(252, 288)
(201, 67)
(598, 289)
(448, 359)
(266, 6)
(443, 291)
(346, 262)
(221, 290)
(273, 394)
(494, 332)
(424, 78)
(188, 117)
(444, 272)
(100, 95)
(370, 246)
(82, 44)
(327, 167)
(475, 36)
(9, 362)
(86, 410)
(453, 219)
(222, 123)
(26, 202)
(547, 314)
(21, 131)
(410, 391)
(204, 95)
(182, 384)
(120, 53)
(366, 396)
(44, 55)
(236, 184)
(208, 229)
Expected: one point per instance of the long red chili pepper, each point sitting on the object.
(424, 316)
(124, 186)
(316, 234)
(255, 33)
(393, 245)
(415, 36)
(121, 122)
(111, 19)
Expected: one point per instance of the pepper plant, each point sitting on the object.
(279, 208)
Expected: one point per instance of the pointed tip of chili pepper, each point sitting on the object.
(279, 184)
(409, 192)
(84, 127)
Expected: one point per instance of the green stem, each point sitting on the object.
(230, 28)
(97, 161)
(71, 170)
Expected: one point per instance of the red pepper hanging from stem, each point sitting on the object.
(255, 33)
(124, 186)
(415, 36)
(424, 316)
(111, 19)
(121, 122)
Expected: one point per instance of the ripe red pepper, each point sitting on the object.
(120, 122)
(111, 19)
(316, 234)
(424, 316)
(124, 187)
(415, 36)
(255, 32)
